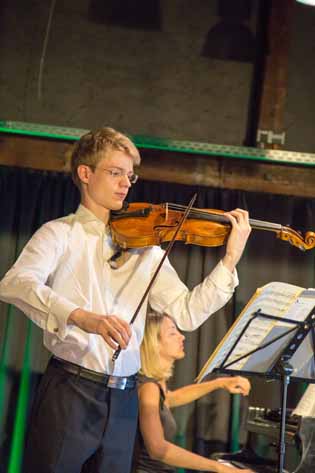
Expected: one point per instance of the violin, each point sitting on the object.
(144, 224)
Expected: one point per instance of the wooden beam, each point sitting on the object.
(274, 88)
(229, 173)
(166, 166)
(34, 153)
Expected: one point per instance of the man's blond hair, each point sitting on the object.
(95, 145)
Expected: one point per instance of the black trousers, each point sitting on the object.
(80, 426)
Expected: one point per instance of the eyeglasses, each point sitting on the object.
(118, 174)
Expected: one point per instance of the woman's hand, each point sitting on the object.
(223, 468)
(236, 385)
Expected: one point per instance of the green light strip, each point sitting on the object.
(181, 442)
(45, 131)
(235, 423)
(147, 142)
(17, 445)
(3, 361)
(5, 354)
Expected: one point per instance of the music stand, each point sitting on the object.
(280, 357)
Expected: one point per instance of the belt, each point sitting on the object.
(110, 381)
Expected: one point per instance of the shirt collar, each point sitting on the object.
(84, 215)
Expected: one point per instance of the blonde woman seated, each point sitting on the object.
(163, 344)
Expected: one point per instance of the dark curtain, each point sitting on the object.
(30, 198)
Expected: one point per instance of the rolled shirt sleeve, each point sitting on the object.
(191, 308)
(24, 285)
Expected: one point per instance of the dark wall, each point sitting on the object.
(152, 81)
(146, 80)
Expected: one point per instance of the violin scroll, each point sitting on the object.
(296, 239)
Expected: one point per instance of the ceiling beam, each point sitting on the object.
(167, 166)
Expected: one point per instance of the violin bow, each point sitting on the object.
(167, 252)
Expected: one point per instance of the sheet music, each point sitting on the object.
(306, 405)
(302, 306)
(276, 298)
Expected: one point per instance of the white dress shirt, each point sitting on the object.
(65, 266)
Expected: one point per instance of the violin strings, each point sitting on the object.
(192, 211)
(254, 223)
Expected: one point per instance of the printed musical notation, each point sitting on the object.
(277, 299)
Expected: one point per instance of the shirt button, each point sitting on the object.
(56, 329)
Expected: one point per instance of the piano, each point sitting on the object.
(261, 451)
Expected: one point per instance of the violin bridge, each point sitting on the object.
(166, 211)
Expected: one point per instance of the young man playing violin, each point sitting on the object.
(85, 415)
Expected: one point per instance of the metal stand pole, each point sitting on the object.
(286, 371)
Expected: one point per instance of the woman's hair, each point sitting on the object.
(150, 348)
(95, 145)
